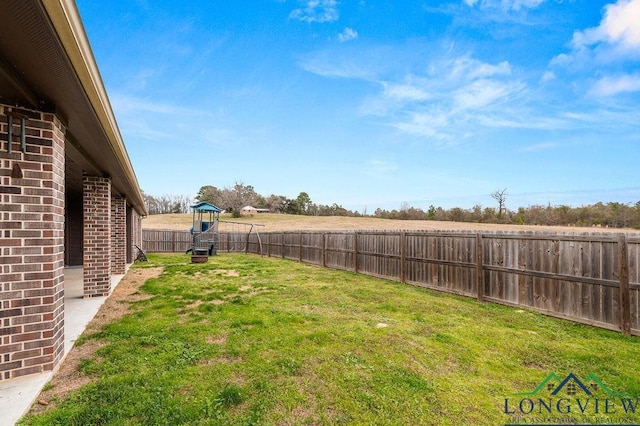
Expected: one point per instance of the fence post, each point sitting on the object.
(300, 246)
(355, 252)
(268, 244)
(625, 302)
(403, 242)
(479, 268)
(324, 249)
(173, 242)
(283, 246)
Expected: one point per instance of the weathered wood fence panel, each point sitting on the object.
(378, 254)
(588, 278)
(165, 241)
(633, 246)
(339, 251)
(574, 277)
(443, 262)
(233, 241)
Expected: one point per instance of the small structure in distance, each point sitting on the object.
(250, 210)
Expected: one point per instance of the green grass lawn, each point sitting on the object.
(250, 340)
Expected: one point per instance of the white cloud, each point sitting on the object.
(383, 166)
(445, 98)
(504, 4)
(620, 27)
(125, 104)
(448, 91)
(547, 76)
(517, 119)
(348, 34)
(317, 11)
(451, 101)
(481, 93)
(472, 68)
(405, 92)
(429, 124)
(351, 61)
(562, 60)
(160, 121)
(604, 54)
(323, 65)
(543, 146)
(609, 86)
(518, 4)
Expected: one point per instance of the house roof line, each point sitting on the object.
(68, 26)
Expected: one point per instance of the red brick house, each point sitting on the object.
(68, 192)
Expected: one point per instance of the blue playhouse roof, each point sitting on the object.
(206, 207)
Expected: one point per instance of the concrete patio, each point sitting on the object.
(17, 395)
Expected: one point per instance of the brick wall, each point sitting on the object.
(31, 243)
(97, 236)
(118, 234)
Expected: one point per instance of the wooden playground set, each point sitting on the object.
(206, 230)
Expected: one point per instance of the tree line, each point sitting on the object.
(233, 199)
(165, 204)
(608, 215)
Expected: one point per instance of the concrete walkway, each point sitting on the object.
(17, 395)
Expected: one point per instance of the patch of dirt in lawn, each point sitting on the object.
(192, 306)
(217, 340)
(216, 272)
(68, 378)
(220, 360)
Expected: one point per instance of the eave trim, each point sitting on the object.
(68, 25)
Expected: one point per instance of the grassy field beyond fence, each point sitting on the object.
(245, 340)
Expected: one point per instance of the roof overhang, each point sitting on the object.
(46, 63)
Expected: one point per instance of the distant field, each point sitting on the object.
(286, 222)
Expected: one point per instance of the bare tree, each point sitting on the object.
(237, 197)
(275, 202)
(230, 198)
(501, 198)
(166, 203)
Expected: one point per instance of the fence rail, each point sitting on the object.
(171, 241)
(587, 278)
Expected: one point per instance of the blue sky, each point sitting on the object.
(378, 103)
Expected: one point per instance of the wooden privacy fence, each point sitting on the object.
(587, 278)
(166, 241)
(170, 241)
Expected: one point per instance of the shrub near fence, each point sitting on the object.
(587, 278)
